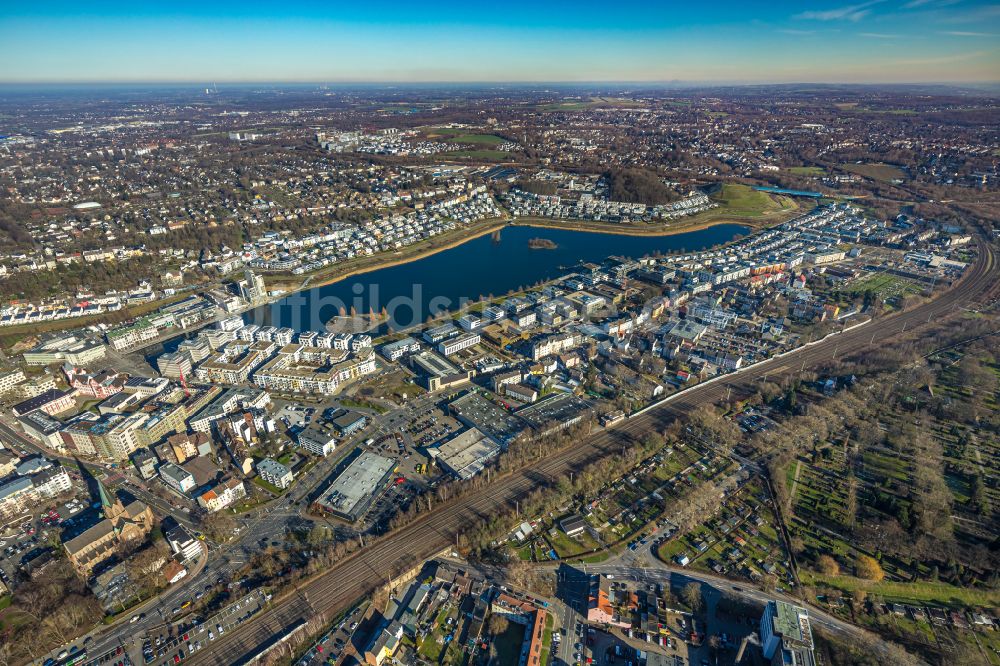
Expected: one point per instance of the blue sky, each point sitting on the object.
(867, 41)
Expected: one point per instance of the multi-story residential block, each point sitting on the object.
(129, 337)
(66, 348)
(36, 385)
(342, 341)
(223, 494)
(554, 344)
(197, 349)
(185, 546)
(51, 402)
(234, 363)
(230, 324)
(470, 322)
(524, 319)
(227, 402)
(177, 477)
(360, 341)
(316, 441)
(455, 345)
(44, 428)
(99, 386)
(52, 481)
(111, 437)
(298, 368)
(394, 351)
(275, 473)
(145, 463)
(10, 380)
(16, 496)
(786, 635)
(174, 365)
(33, 484)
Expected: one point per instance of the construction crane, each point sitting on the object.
(187, 391)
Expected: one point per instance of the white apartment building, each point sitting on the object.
(455, 345)
(275, 473)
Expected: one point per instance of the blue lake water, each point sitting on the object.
(488, 265)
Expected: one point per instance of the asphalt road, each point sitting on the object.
(358, 574)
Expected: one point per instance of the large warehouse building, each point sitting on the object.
(353, 490)
(466, 454)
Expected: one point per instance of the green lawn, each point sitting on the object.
(565, 106)
(593, 102)
(566, 546)
(479, 139)
(479, 154)
(876, 171)
(363, 404)
(271, 488)
(927, 591)
(806, 170)
(543, 658)
(460, 135)
(884, 285)
(744, 201)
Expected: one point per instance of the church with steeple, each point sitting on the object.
(122, 524)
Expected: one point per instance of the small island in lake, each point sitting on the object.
(541, 244)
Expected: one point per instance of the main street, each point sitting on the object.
(358, 574)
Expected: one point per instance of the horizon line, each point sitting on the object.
(562, 82)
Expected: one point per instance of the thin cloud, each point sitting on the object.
(973, 15)
(880, 35)
(846, 13)
(942, 60)
(963, 33)
(790, 31)
(929, 4)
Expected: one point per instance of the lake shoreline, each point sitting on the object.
(499, 225)
(477, 268)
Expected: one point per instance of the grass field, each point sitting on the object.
(857, 108)
(806, 170)
(269, 487)
(593, 102)
(565, 106)
(926, 591)
(886, 286)
(460, 135)
(566, 546)
(478, 139)
(877, 171)
(744, 201)
(546, 640)
(479, 154)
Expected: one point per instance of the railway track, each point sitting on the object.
(359, 574)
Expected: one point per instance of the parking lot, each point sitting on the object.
(294, 416)
(117, 656)
(616, 648)
(431, 426)
(27, 537)
(175, 642)
(331, 647)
